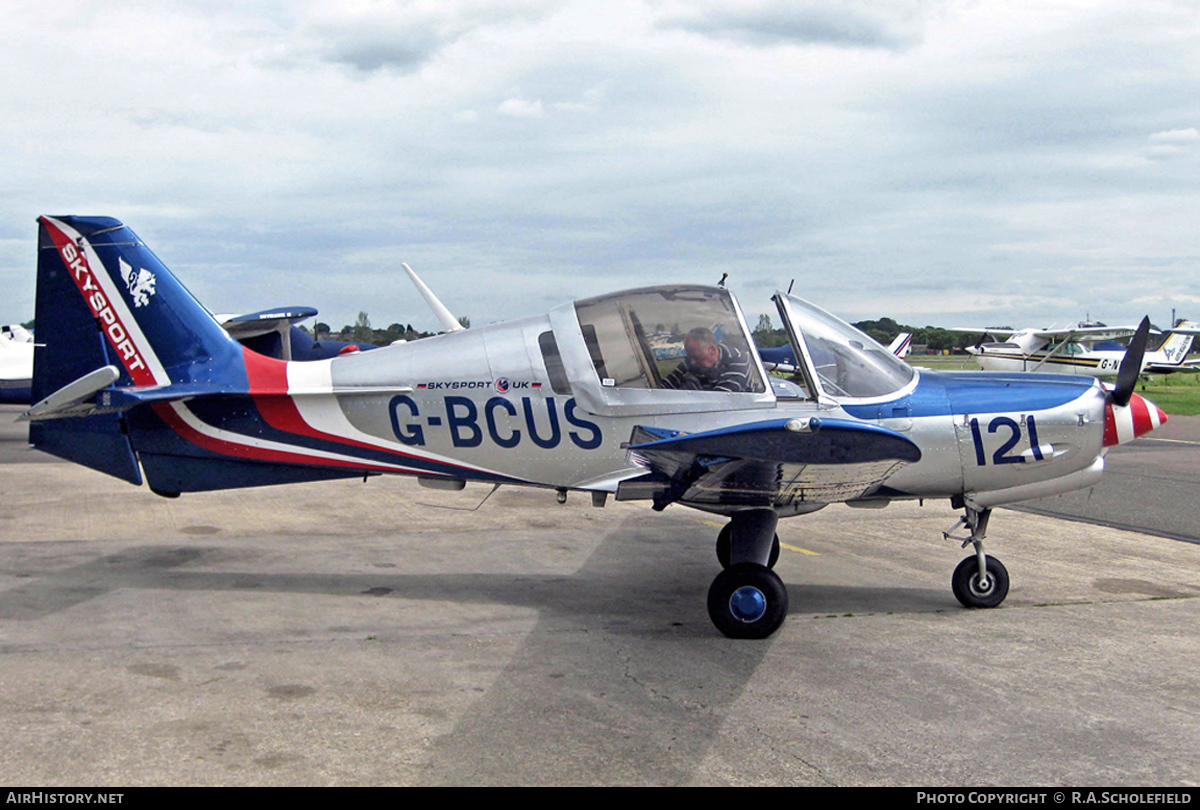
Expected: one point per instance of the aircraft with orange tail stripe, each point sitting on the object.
(653, 394)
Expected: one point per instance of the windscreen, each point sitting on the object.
(848, 362)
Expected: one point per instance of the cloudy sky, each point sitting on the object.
(940, 163)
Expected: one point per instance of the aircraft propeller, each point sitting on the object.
(1131, 366)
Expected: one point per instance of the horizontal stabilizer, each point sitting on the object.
(72, 400)
(69, 400)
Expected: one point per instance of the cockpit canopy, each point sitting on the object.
(672, 349)
(686, 348)
(681, 338)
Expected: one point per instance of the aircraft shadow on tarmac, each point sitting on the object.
(623, 598)
(596, 712)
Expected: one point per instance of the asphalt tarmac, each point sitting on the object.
(1149, 485)
(378, 633)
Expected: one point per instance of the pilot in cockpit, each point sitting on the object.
(710, 365)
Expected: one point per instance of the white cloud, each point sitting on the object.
(922, 158)
(846, 23)
(1173, 143)
(403, 35)
(520, 108)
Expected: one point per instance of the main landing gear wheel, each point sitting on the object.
(747, 600)
(725, 543)
(971, 592)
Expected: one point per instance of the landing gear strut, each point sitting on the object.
(725, 543)
(748, 599)
(979, 581)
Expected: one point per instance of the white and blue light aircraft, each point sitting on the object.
(137, 380)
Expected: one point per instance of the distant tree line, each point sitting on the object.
(884, 330)
(934, 338)
(362, 332)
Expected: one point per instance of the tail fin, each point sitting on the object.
(105, 300)
(901, 344)
(1178, 344)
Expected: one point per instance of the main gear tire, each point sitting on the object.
(747, 600)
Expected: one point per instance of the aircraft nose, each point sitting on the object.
(1126, 424)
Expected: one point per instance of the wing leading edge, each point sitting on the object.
(780, 463)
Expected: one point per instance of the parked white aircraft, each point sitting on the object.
(1084, 350)
(901, 345)
(16, 363)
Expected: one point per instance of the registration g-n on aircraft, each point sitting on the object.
(1084, 349)
(138, 380)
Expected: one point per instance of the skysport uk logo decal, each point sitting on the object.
(140, 283)
(502, 385)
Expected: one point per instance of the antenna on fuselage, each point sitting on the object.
(444, 316)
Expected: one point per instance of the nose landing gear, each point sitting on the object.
(979, 581)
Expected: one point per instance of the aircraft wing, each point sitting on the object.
(1186, 328)
(1087, 334)
(254, 324)
(1079, 334)
(992, 331)
(773, 463)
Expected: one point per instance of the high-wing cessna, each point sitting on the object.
(1084, 349)
(654, 394)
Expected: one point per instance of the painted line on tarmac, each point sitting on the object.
(782, 544)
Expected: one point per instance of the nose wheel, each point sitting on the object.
(747, 600)
(979, 581)
(975, 591)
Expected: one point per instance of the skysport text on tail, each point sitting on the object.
(652, 394)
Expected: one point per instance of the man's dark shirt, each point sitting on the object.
(731, 372)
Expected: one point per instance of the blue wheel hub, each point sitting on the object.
(747, 604)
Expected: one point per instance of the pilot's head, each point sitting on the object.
(701, 348)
